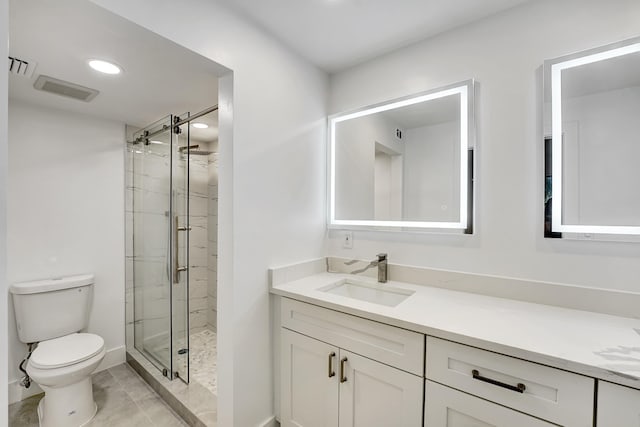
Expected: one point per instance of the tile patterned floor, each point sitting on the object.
(123, 399)
(203, 359)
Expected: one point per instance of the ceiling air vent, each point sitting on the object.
(68, 89)
(21, 67)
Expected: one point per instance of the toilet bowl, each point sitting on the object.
(63, 367)
(51, 313)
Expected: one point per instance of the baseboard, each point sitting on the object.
(18, 393)
(270, 422)
(113, 357)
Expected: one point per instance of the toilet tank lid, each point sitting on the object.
(50, 285)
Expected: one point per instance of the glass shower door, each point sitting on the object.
(152, 243)
(181, 231)
(160, 246)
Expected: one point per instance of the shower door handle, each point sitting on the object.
(176, 251)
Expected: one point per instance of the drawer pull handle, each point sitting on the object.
(520, 388)
(332, 373)
(343, 377)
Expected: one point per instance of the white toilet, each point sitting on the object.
(51, 313)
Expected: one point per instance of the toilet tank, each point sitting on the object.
(51, 308)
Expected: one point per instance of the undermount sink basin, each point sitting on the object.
(377, 293)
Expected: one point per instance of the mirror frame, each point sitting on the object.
(553, 80)
(467, 163)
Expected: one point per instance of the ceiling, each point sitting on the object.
(336, 34)
(159, 77)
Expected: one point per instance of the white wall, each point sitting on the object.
(432, 173)
(383, 186)
(356, 143)
(66, 212)
(504, 53)
(272, 181)
(600, 162)
(355, 169)
(4, 51)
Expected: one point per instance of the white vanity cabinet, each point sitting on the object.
(447, 407)
(618, 406)
(560, 397)
(326, 384)
(309, 387)
(374, 394)
(342, 370)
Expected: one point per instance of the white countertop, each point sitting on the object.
(598, 345)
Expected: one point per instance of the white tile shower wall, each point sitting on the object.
(65, 215)
(504, 53)
(128, 241)
(146, 194)
(212, 237)
(149, 190)
(198, 240)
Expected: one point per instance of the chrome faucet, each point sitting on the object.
(382, 268)
(381, 263)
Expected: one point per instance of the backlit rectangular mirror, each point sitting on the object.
(405, 163)
(592, 114)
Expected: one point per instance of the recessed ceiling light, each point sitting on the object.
(104, 66)
(200, 125)
(156, 142)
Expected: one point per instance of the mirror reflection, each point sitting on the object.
(595, 106)
(403, 163)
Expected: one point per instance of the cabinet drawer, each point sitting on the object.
(618, 406)
(551, 394)
(446, 407)
(387, 344)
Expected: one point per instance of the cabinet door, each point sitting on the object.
(309, 393)
(377, 395)
(618, 406)
(446, 407)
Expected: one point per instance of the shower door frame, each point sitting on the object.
(171, 369)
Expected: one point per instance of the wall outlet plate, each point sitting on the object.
(347, 240)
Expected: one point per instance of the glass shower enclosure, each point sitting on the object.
(160, 230)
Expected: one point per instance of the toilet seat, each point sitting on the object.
(66, 350)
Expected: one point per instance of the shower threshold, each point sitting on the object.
(196, 404)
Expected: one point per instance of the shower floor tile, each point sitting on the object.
(203, 359)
